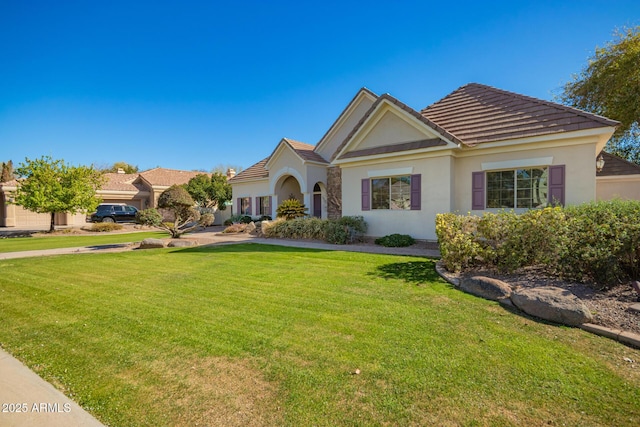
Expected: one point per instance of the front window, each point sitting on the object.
(263, 206)
(391, 193)
(245, 206)
(518, 188)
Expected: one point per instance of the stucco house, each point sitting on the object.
(138, 189)
(478, 149)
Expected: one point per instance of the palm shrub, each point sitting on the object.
(290, 209)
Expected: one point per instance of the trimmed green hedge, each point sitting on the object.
(345, 230)
(395, 240)
(596, 242)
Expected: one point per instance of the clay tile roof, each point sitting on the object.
(121, 182)
(617, 166)
(256, 171)
(305, 151)
(476, 113)
(168, 177)
(12, 183)
(395, 148)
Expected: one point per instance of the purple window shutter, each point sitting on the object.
(270, 210)
(477, 191)
(416, 192)
(239, 205)
(556, 184)
(366, 194)
(257, 205)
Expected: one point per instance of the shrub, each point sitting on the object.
(342, 231)
(595, 242)
(290, 209)
(238, 219)
(235, 228)
(395, 240)
(105, 226)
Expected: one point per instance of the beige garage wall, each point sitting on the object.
(626, 187)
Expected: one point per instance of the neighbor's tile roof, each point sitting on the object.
(256, 171)
(121, 182)
(168, 177)
(305, 151)
(476, 113)
(617, 166)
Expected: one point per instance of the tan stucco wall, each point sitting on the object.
(344, 127)
(390, 129)
(623, 187)
(579, 160)
(436, 196)
(251, 189)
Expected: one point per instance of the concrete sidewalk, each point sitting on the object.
(27, 400)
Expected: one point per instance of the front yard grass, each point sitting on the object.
(267, 335)
(19, 244)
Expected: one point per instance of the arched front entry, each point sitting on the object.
(288, 187)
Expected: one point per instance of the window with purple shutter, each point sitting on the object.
(416, 192)
(249, 207)
(477, 191)
(270, 209)
(556, 184)
(366, 194)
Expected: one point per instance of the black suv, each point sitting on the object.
(108, 212)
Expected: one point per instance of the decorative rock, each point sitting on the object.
(181, 243)
(486, 287)
(250, 227)
(152, 243)
(551, 303)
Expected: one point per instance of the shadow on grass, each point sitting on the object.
(414, 272)
(245, 248)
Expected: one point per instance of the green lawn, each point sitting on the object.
(19, 244)
(267, 335)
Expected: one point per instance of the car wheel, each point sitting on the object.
(107, 219)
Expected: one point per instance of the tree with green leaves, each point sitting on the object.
(52, 186)
(209, 191)
(7, 171)
(177, 201)
(114, 168)
(610, 86)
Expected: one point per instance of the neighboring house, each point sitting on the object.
(138, 189)
(618, 179)
(478, 149)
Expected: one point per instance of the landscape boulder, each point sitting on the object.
(181, 243)
(251, 227)
(152, 243)
(486, 287)
(552, 303)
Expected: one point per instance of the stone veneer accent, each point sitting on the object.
(334, 192)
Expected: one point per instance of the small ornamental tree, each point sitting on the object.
(290, 209)
(209, 191)
(52, 186)
(176, 200)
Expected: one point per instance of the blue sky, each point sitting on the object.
(195, 84)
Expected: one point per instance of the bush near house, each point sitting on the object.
(105, 226)
(597, 243)
(395, 240)
(291, 209)
(342, 231)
